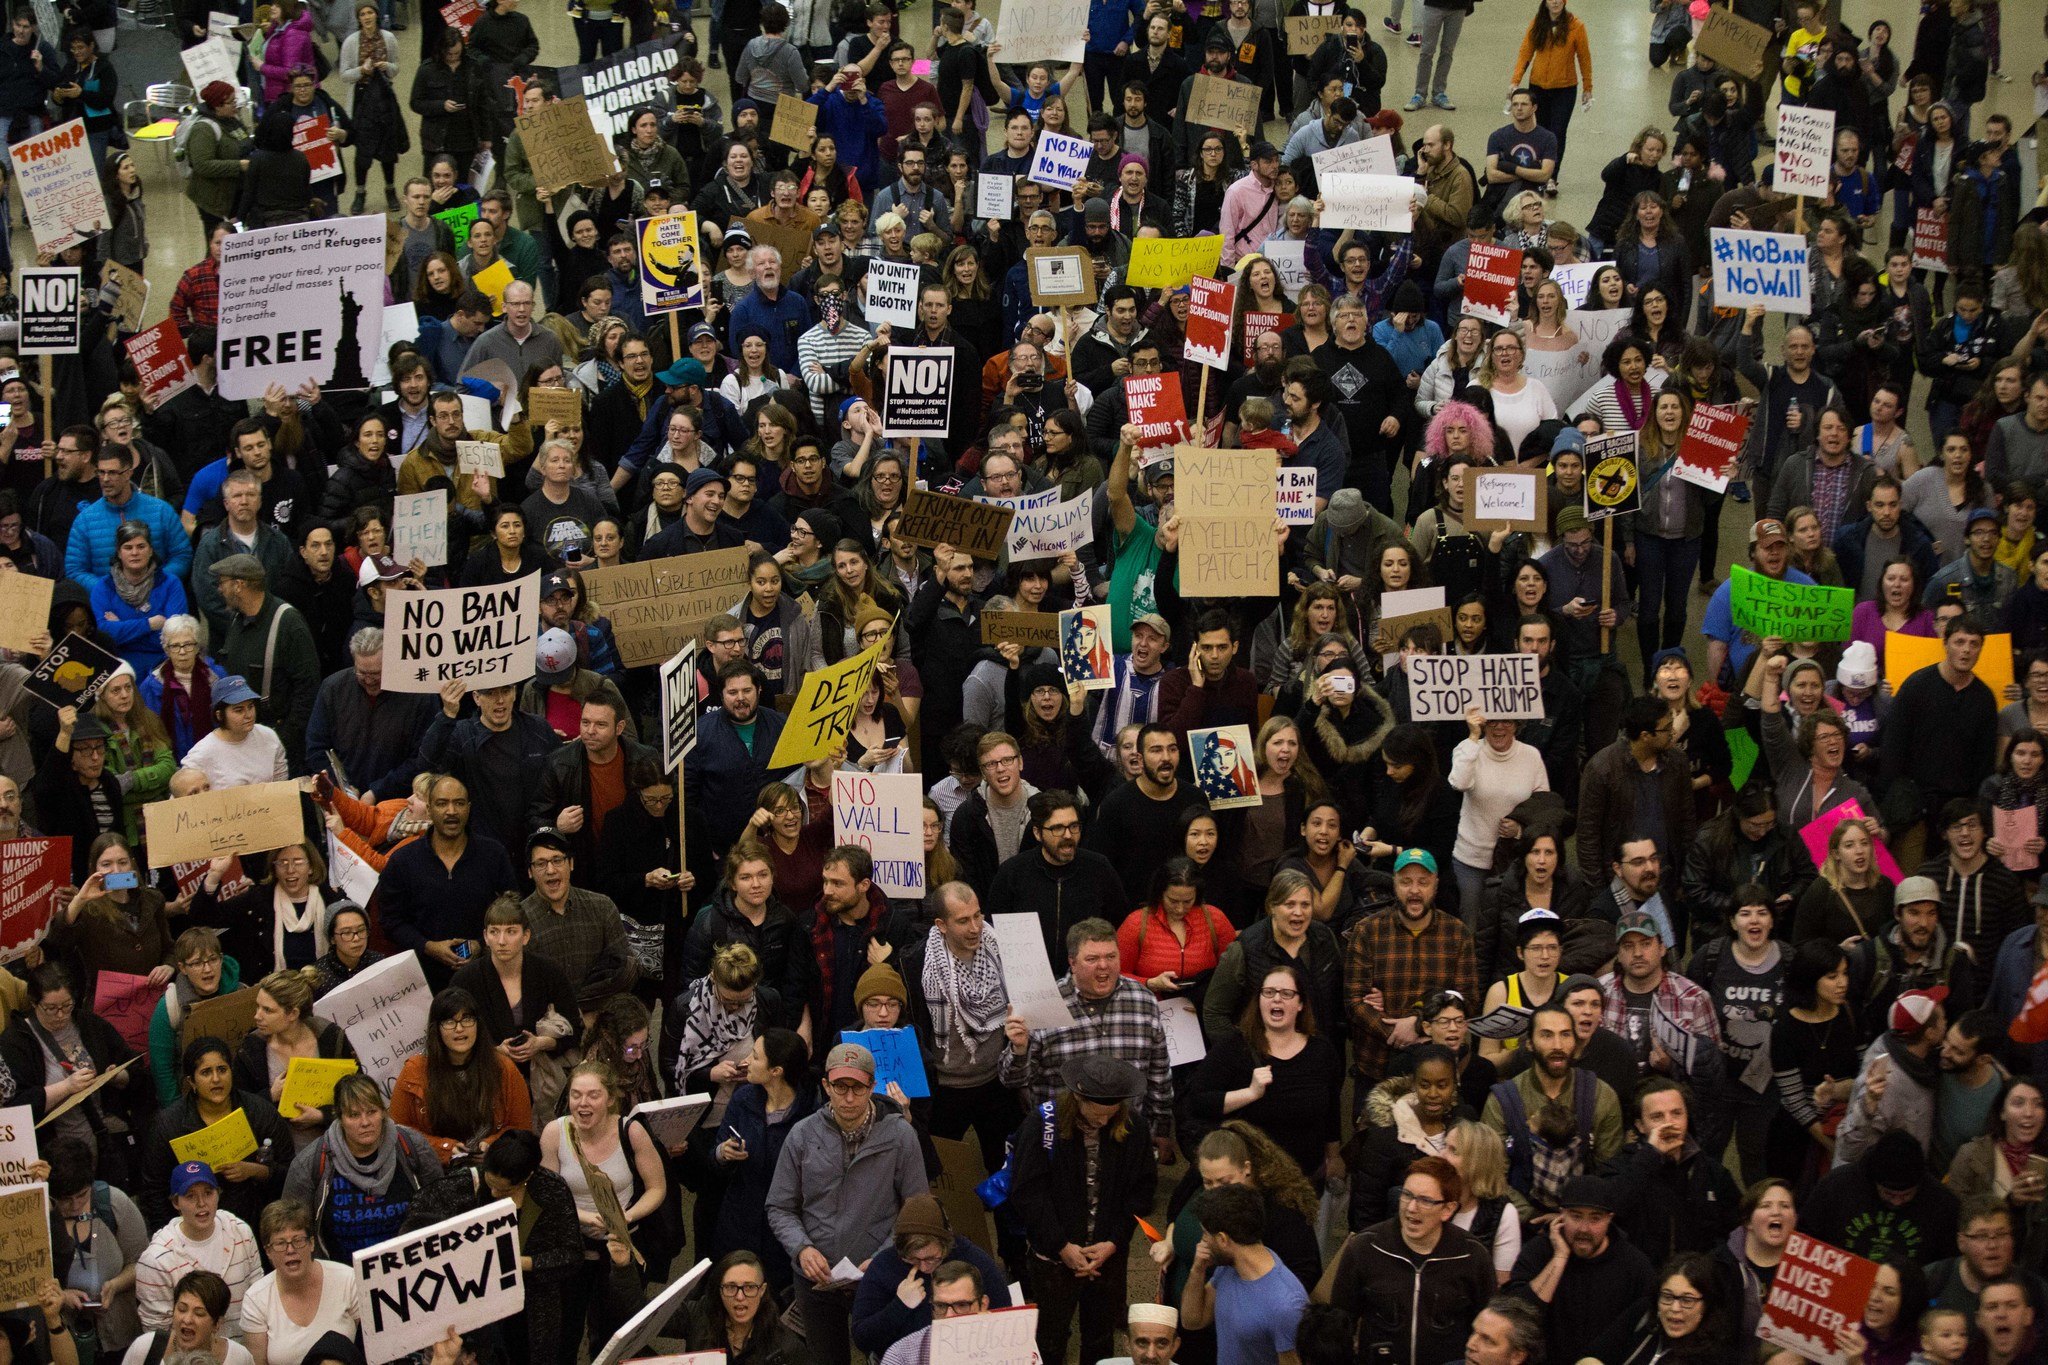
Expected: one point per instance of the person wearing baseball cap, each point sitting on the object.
(1410, 951)
(836, 1200)
(1901, 1076)
(1640, 989)
(1728, 649)
(203, 1236)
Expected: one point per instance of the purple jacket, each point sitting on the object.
(289, 48)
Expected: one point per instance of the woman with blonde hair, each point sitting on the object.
(1485, 1211)
(707, 1030)
(1521, 221)
(1546, 328)
(363, 1163)
(1852, 898)
(1520, 404)
(1322, 609)
(1810, 552)
(286, 1029)
(615, 1174)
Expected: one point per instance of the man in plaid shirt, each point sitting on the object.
(1113, 1015)
(1395, 959)
(1660, 1014)
(196, 300)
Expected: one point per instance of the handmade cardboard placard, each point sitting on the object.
(1510, 499)
(1305, 32)
(227, 1017)
(24, 608)
(795, 123)
(1735, 42)
(24, 1245)
(241, 820)
(1060, 277)
(1219, 102)
(1031, 629)
(563, 146)
(934, 519)
(480, 457)
(560, 405)
(659, 605)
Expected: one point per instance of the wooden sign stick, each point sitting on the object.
(1606, 578)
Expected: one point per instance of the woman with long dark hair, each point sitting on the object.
(369, 67)
(1415, 807)
(1687, 1320)
(1276, 1072)
(1539, 890)
(777, 1091)
(1815, 1056)
(461, 1092)
(1650, 251)
(737, 1313)
(208, 1094)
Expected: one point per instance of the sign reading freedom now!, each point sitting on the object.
(1792, 611)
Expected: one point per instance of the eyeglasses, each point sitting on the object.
(1001, 760)
(942, 1309)
(289, 1244)
(849, 1087)
(214, 959)
(1422, 1201)
(55, 1010)
(742, 1291)
(1667, 1299)
(1064, 827)
(548, 864)
(1278, 993)
(359, 931)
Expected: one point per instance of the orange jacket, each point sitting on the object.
(409, 1102)
(1553, 65)
(365, 826)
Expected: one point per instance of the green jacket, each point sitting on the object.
(214, 154)
(521, 250)
(144, 774)
(163, 1034)
(519, 184)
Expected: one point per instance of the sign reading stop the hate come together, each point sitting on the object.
(1791, 611)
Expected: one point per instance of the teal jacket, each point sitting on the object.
(163, 1037)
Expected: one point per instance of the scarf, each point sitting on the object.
(371, 1174)
(1633, 407)
(194, 707)
(372, 51)
(2016, 1155)
(965, 1002)
(1924, 1072)
(710, 1032)
(133, 591)
(293, 919)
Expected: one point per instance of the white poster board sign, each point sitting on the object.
(1027, 973)
(1501, 686)
(892, 293)
(1766, 269)
(60, 185)
(1371, 156)
(17, 1147)
(300, 302)
(1805, 150)
(994, 197)
(482, 636)
(1294, 494)
(1043, 31)
(383, 1010)
(461, 1273)
(419, 525)
(401, 322)
(1007, 1336)
(1055, 529)
(216, 59)
(644, 1326)
(1059, 160)
(1372, 203)
(884, 814)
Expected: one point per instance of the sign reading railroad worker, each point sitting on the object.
(299, 302)
(482, 636)
(460, 1273)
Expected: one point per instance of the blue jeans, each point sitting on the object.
(1664, 570)
(1471, 891)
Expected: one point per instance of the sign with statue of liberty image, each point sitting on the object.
(299, 303)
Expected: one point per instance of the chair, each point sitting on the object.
(153, 119)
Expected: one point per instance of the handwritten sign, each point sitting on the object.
(1170, 262)
(995, 196)
(563, 146)
(226, 1017)
(1294, 494)
(1220, 102)
(1792, 611)
(656, 606)
(2012, 829)
(1005, 1336)
(933, 519)
(1499, 686)
(1225, 500)
(32, 873)
(1373, 203)
(1805, 150)
(60, 186)
(1734, 42)
(884, 814)
(1305, 32)
(1057, 528)
(1031, 629)
(1819, 1291)
(18, 1150)
(478, 457)
(251, 819)
(1043, 31)
(127, 1002)
(1712, 444)
(1814, 834)
(1765, 269)
(419, 525)
(1372, 155)
(24, 1245)
(1059, 160)
(896, 1055)
(461, 1273)
(1027, 973)
(1493, 275)
(383, 1010)
(822, 716)
(220, 1143)
(1183, 1028)
(1508, 499)
(481, 635)
(310, 1081)
(892, 292)
(795, 123)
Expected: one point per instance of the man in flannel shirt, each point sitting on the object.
(1398, 956)
(1668, 1020)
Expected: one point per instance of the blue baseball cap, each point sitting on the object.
(1420, 857)
(192, 1173)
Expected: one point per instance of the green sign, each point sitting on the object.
(1743, 750)
(458, 220)
(1792, 611)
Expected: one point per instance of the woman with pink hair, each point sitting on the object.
(1458, 428)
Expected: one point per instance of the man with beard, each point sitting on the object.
(578, 930)
(1580, 1274)
(944, 626)
(1661, 1014)
(781, 313)
(1058, 881)
(953, 977)
(1103, 357)
(322, 592)
(434, 891)
(729, 766)
(1368, 391)
(498, 753)
(1154, 1335)
(1894, 1091)
(1263, 380)
(1572, 1115)
(1594, 1048)
(1915, 953)
(844, 937)
(1216, 54)
(1251, 211)
(917, 200)
(702, 526)
(1971, 1082)
(1573, 568)
(1109, 251)
(1673, 1195)
(435, 456)
(1397, 957)
(616, 416)
(1447, 194)
(1138, 824)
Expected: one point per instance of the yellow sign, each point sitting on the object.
(1905, 655)
(491, 282)
(1169, 262)
(310, 1081)
(824, 710)
(218, 1144)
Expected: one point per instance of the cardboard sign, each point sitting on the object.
(1059, 160)
(220, 1143)
(32, 873)
(644, 1326)
(563, 147)
(461, 1273)
(1819, 1291)
(1031, 629)
(482, 636)
(383, 1010)
(1613, 484)
(917, 391)
(300, 302)
(1223, 761)
(131, 295)
(24, 609)
(162, 364)
(934, 519)
(1500, 686)
(1930, 240)
(250, 819)
(1372, 203)
(24, 1245)
(226, 1017)
(659, 605)
(822, 715)
(419, 524)
(1043, 31)
(74, 673)
(1493, 275)
(1225, 501)
(1305, 32)
(679, 707)
(1736, 43)
(1767, 269)
(1212, 305)
(1805, 150)
(897, 1058)
(1294, 494)
(1060, 277)
(127, 1002)
(995, 196)
(1507, 499)
(1157, 409)
(1795, 612)
(60, 187)
(1372, 155)
(884, 814)
(795, 123)
(1027, 973)
(1711, 446)
(1057, 528)
(615, 86)
(18, 1150)
(1814, 834)
(670, 274)
(1085, 655)
(309, 139)
(477, 457)
(892, 293)
(49, 310)
(1170, 262)
(1219, 102)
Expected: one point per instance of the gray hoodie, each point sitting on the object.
(843, 1205)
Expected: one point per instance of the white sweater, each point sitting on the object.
(228, 763)
(1494, 783)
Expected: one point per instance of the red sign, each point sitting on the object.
(1158, 408)
(1930, 241)
(1210, 304)
(1713, 440)
(31, 873)
(161, 363)
(1818, 1291)
(462, 14)
(1492, 275)
(309, 136)
(188, 876)
(1257, 325)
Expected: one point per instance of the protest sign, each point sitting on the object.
(219, 1143)
(1060, 277)
(73, 673)
(1613, 484)
(1059, 160)
(347, 871)
(163, 367)
(672, 1120)
(24, 1245)
(1930, 240)
(1294, 494)
(1814, 834)
(2012, 829)
(1222, 761)
(995, 196)
(1211, 305)
(1169, 262)
(1508, 499)
(917, 393)
(1060, 527)
(462, 14)
(127, 1002)
(1225, 501)
(1818, 1292)
(669, 274)
(1766, 269)
(657, 605)
(1031, 629)
(383, 1010)
(1257, 323)
(18, 1151)
(1220, 102)
(823, 713)
(644, 1326)
(310, 140)
(1372, 155)
(60, 187)
(1915, 652)
(1713, 442)
(1797, 612)
(679, 707)
(884, 814)
(1157, 408)
(475, 457)
(401, 322)
(457, 221)
(310, 1081)
(897, 1059)
(1182, 1025)
(460, 1273)
(632, 79)
(1043, 31)
(1575, 279)
(491, 282)
(254, 818)
(1027, 973)
(1805, 150)
(32, 873)
(1003, 1336)
(131, 295)
(795, 123)
(892, 293)
(1372, 203)
(1305, 32)
(934, 519)
(482, 635)
(233, 882)
(49, 310)
(563, 147)
(1735, 42)
(24, 609)
(228, 1017)
(299, 303)
(419, 523)
(219, 58)
(1290, 262)
(1500, 686)
(1493, 275)
(1085, 656)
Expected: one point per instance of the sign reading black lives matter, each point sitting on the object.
(482, 636)
(615, 86)
(460, 1273)
(49, 310)
(300, 302)
(917, 397)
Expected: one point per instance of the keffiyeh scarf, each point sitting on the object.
(710, 1031)
(967, 1002)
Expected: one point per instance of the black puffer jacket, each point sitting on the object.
(357, 481)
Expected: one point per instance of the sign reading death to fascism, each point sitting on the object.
(1499, 686)
(482, 636)
(300, 302)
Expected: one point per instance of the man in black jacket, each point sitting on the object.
(1673, 1195)
(945, 632)
(1582, 1269)
(359, 731)
(568, 793)
(323, 591)
(498, 754)
(1056, 879)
